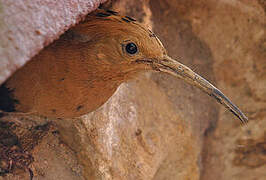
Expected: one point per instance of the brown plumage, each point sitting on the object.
(79, 72)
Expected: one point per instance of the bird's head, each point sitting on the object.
(125, 47)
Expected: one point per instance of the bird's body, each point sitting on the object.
(79, 72)
(59, 83)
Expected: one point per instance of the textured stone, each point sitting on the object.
(235, 33)
(132, 135)
(52, 158)
(157, 127)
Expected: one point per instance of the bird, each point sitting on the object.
(81, 70)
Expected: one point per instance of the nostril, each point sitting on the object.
(196, 78)
(165, 60)
(180, 68)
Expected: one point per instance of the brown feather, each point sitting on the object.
(79, 72)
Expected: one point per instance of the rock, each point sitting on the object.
(235, 32)
(157, 127)
(132, 135)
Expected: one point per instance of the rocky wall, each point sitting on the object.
(157, 127)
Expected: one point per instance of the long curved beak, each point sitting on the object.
(181, 71)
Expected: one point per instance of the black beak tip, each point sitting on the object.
(241, 117)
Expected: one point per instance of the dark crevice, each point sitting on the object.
(7, 100)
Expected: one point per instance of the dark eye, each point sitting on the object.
(131, 48)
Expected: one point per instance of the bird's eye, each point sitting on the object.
(131, 48)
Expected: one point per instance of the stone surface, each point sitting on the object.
(157, 127)
(27, 26)
(235, 33)
(52, 158)
(132, 135)
(203, 34)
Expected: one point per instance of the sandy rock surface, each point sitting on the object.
(157, 127)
